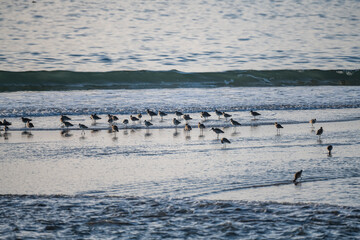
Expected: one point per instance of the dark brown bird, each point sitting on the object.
(278, 127)
(25, 120)
(176, 122)
(205, 115)
(150, 113)
(217, 131)
(29, 125)
(201, 127)
(297, 176)
(225, 141)
(218, 113)
(226, 115)
(319, 132)
(313, 121)
(187, 129)
(329, 148)
(254, 114)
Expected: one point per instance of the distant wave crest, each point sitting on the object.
(68, 80)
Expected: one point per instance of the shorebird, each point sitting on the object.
(187, 129)
(178, 114)
(67, 124)
(114, 129)
(224, 141)
(329, 148)
(133, 119)
(278, 127)
(112, 118)
(297, 175)
(25, 120)
(254, 114)
(125, 121)
(313, 121)
(139, 116)
(162, 115)
(147, 123)
(226, 116)
(319, 132)
(186, 117)
(176, 122)
(82, 127)
(234, 123)
(64, 118)
(6, 123)
(217, 131)
(150, 113)
(218, 113)
(201, 127)
(94, 117)
(29, 125)
(205, 115)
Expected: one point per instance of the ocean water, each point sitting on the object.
(188, 36)
(291, 61)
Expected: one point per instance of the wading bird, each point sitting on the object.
(254, 114)
(278, 127)
(150, 113)
(217, 131)
(225, 141)
(319, 132)
(329, 148)
(297, 175)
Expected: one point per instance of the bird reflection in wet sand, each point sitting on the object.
(65, 133)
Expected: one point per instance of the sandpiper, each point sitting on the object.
(187, 129)
(67, 124)
(6, 123)
(297, 176)
(125, 121)
(201, 127)
(178, 114)
(278, 127)
(29, 125)
(217, 131)
(187, 117)
(226, 116)
(82, 127)
(139, 116)
(254, 114)
(64, 118)
(329, 148)
(313, 121)
(147, 123)
(176, 122)
(205, 115)
(150, 113)
(25, 120)
(319, 132)
(162, 115)
(94, 117)
(224, 141)
(133, 119)
(234, 123)
(218, 113)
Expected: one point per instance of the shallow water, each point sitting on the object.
(161, 183)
